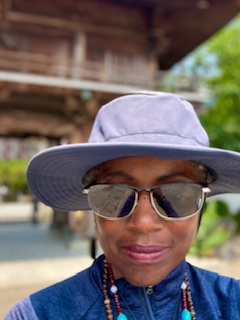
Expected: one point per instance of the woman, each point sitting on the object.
(145, 173)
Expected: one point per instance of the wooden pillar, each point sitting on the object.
(78, 54)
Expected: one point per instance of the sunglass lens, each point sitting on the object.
(178, 200)
(164, 206)
(111, 201)
(127, 206)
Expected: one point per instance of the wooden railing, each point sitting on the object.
(41, 64)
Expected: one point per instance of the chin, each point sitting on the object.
(143, 280)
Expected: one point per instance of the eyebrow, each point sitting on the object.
(180, 174)
(121, 174)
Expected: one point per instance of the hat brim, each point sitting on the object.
(55, 174)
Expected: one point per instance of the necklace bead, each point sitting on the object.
(122, 316)
(113, 289)
(186, 315)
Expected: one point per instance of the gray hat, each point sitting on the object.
(155, 125)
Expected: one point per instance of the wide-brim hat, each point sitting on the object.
(156, 125)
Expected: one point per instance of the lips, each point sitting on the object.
(145, 253)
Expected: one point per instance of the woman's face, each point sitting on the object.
(144, 248)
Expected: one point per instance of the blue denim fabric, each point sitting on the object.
(80, 297)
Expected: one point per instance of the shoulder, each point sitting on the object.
(211, 289)
(70, 298)
(22, 311)
(213, 279)
(77, 293)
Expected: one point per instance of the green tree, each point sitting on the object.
(215, 229)
(215, 65)
(222, 116)
(12, 175)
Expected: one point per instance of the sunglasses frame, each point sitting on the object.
(205, 191)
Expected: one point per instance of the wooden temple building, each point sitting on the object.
(61, 60)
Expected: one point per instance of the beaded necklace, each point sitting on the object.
(188, 312)
(108, 274)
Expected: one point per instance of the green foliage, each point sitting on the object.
(223, 114)
(236, 219)
(12, 175)
(215, 65)
(213, 231)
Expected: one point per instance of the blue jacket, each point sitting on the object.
(80, 297)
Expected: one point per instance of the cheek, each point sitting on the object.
(185, 231)
(103, 227)
(108, 232)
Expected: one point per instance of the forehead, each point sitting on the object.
(151, 166)
(150, 162)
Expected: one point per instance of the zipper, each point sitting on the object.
(149, 290)
(144, 294)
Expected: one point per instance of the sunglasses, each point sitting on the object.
(174, 201)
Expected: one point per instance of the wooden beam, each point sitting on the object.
(19, 122)
(71, 25)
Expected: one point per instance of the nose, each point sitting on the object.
(144, 218)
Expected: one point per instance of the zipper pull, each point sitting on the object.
(149, 290)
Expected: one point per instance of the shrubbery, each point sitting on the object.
(13, 176)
